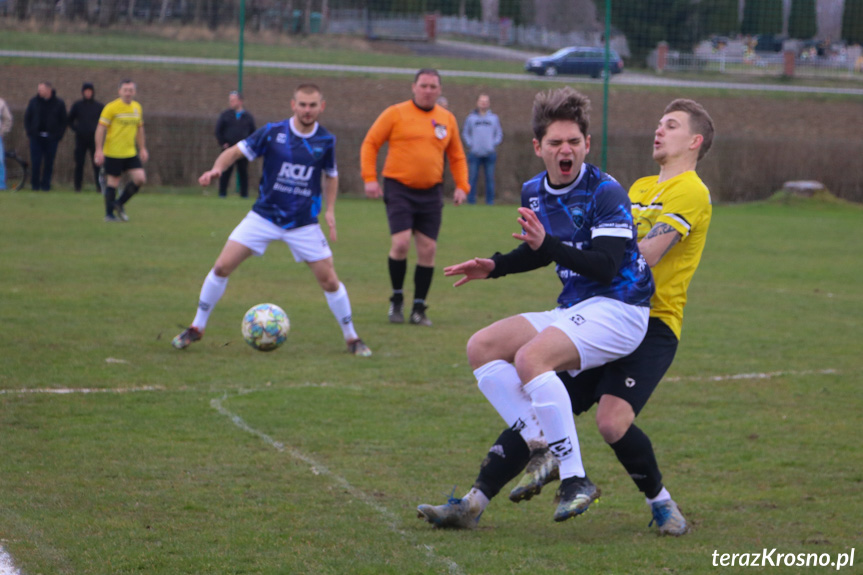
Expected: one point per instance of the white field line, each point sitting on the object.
(71, 390)
(767, 375)
(391, 520)
(6, 565)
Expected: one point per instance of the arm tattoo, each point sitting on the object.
(658, 230)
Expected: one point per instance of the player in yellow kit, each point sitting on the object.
(672, 211)
(121, 147)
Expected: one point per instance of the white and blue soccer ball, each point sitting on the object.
(266, 326)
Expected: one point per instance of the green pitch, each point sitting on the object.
(221, 459)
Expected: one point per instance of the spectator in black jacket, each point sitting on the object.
(83, 119)
(235, 124)
(45, 124)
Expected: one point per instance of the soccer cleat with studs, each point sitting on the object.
(396, 311)
(121, 213)
(542, 469)
(669, 519)
(359, 349)
(418, 316)
(574, 496)
(455, 514)
(189, 336)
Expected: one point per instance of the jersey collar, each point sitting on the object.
(299, 134)
(565, 190)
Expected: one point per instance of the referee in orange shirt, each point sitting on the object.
(419, 132)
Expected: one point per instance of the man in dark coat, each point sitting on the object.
(234, 125)
(45, 124)
(83, 119)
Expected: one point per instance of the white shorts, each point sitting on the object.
(602, 329)
(307, 243)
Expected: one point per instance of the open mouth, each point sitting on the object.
(565, 166)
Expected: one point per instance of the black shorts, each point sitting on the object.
(412, 209)
(632, 378)
(116, 166)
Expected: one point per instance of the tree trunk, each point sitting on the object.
(163, 12)
(307, 18)
(130, 16)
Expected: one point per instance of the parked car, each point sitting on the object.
(575, 60)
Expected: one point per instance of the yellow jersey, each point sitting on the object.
(683, 202)
(122, 122)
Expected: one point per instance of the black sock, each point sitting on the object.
(635, 452)
(422, 283)
(398, 271)
(505, 460)
(110, 196)
(130, 190)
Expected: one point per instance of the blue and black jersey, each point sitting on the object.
(591, 210)
(290, 189)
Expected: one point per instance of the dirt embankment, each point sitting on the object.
(764, 140)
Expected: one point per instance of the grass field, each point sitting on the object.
(121, 455)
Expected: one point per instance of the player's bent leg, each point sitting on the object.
(500, 340)
(339, 304)
(232, 255)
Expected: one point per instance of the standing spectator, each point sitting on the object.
(234, 125)
(419, 132)
(121, 147)
(83, 120)
(45, 124)
(482, 135)
(5, 126)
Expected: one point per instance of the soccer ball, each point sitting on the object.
(266, 327)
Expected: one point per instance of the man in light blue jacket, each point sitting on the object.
(481, 136)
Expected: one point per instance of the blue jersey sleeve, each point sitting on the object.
(613, 215)
(256, 144)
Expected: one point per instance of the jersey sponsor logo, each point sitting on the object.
(318, 151)
(296, 190)
(629, 382)
(296, 172)
(281, 138)
(440, 131)
(561, 448)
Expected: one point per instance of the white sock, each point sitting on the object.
(554, 410)
(477, 499)
(664, 495)
(340, 305)
(499, 383)
(211, 292)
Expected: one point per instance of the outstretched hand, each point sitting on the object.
(534, 231)
(208, 176)
(475, 269)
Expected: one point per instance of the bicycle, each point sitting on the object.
(16, 171)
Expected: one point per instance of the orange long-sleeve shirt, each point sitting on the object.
(417, 142)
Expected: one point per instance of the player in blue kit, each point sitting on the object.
(580, 218)
(299, 168)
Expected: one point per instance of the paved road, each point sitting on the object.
(628, 78)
